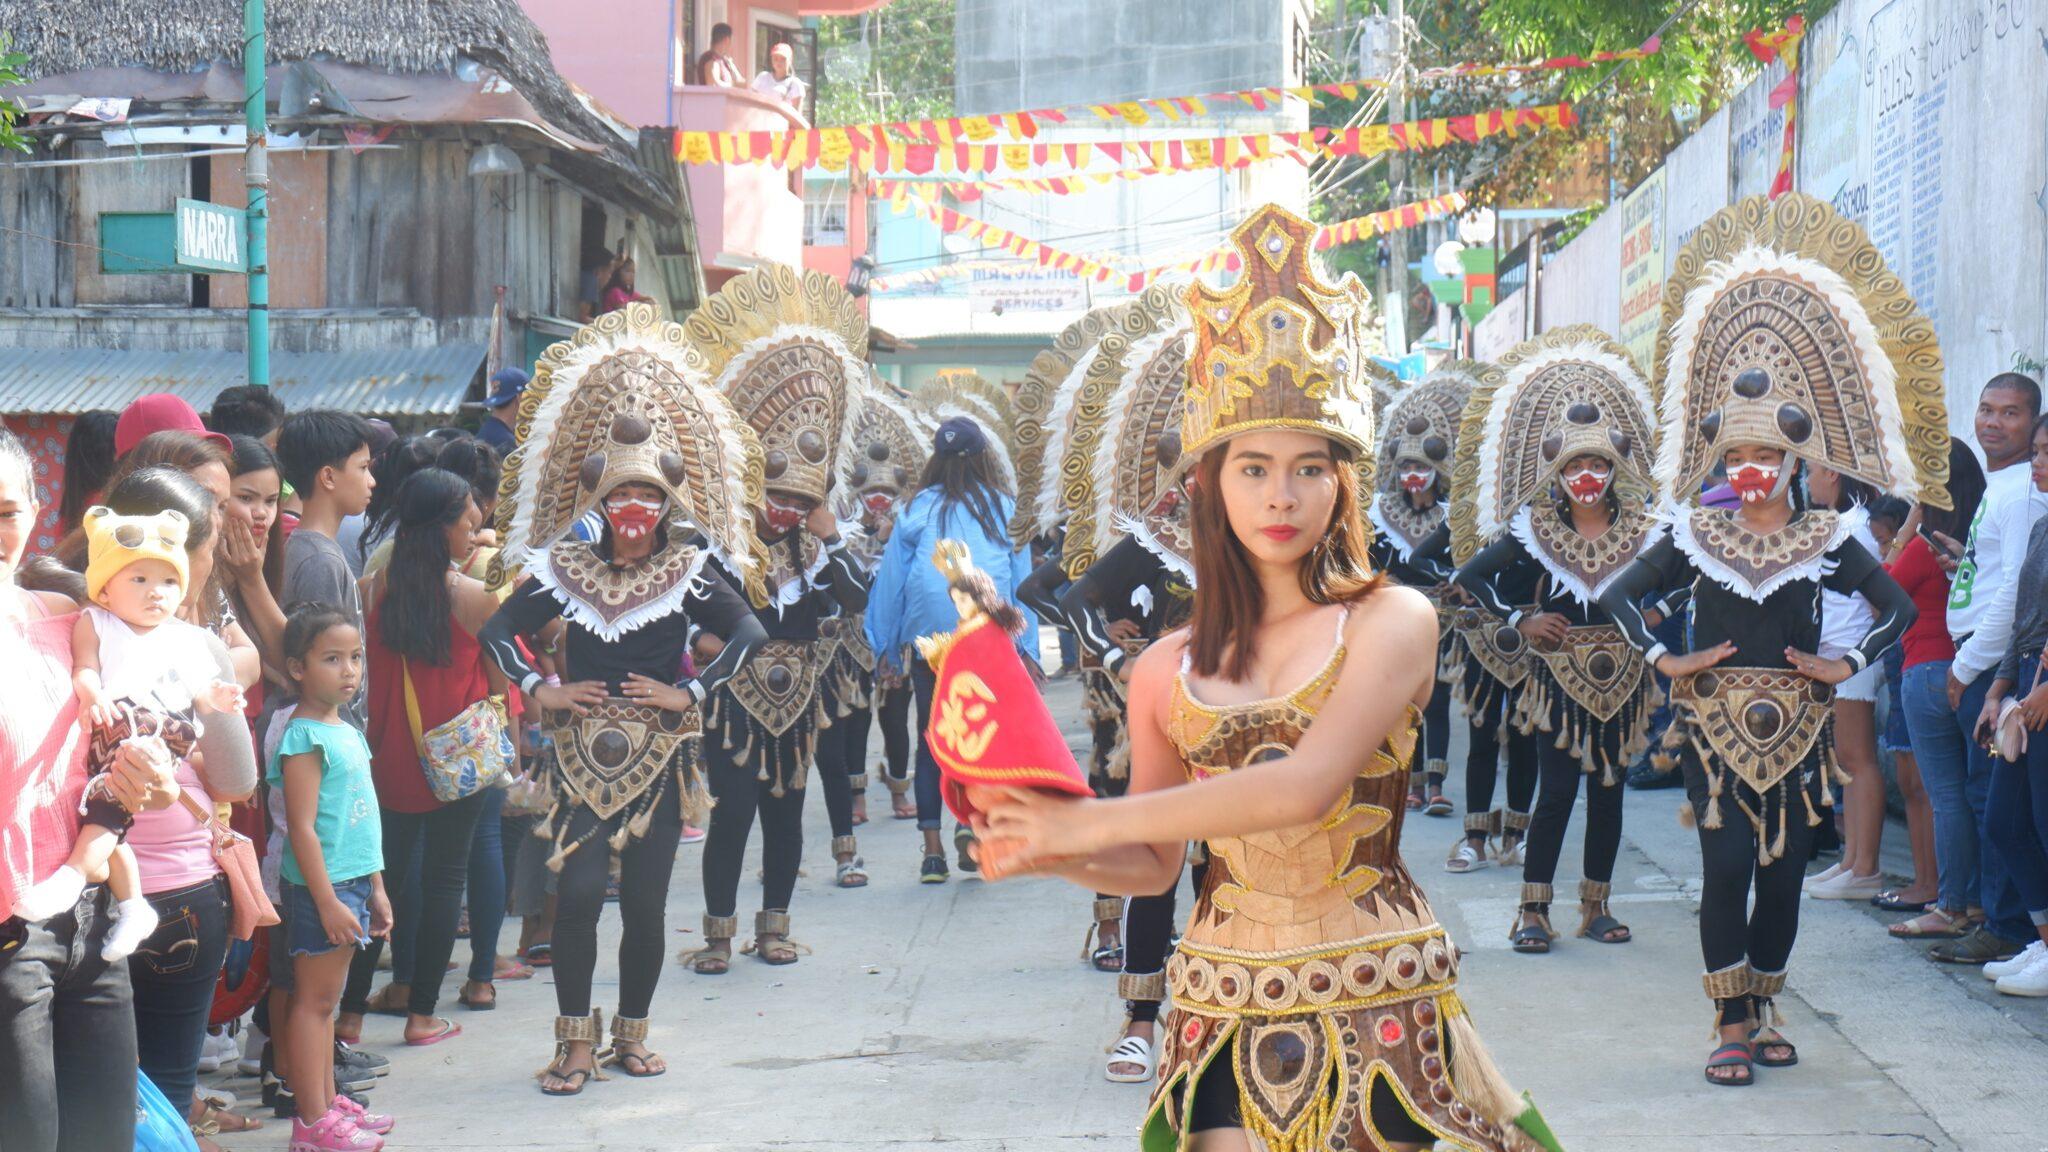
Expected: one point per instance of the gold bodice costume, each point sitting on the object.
(1313, 965)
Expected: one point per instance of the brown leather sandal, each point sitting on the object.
(715, 957)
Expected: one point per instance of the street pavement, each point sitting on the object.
(963, 1016)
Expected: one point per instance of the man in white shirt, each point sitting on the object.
(780, 80)
(1983, 585)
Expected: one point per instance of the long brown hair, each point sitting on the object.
(1223, 632)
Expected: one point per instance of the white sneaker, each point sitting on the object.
(251, 1061)
(219, 1048)
(2029, 981)
(1846, 886)
(2000, 969)
(1821, 877)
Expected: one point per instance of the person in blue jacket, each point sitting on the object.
(961, 497)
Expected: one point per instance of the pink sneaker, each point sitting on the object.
(334, 1132)
(363, 1118)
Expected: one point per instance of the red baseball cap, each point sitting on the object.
(160, 412)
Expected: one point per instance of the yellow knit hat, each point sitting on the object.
(113, 542)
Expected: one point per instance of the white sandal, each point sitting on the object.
(1466, 858)
(1131, 1050)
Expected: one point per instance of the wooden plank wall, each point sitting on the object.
(137, 186)
(297, 234)
(35, 266)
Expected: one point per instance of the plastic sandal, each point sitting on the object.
(1734, 1054)
(1465, 858)
(629, 1031)
(853, 873)
(1761, 1039)
(1438, 804)
(1934, 924)
(1595, 921)
(1532, 934)
(1890, 901)
(1131, 1050)
(477, 1003)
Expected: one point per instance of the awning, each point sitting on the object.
(376, 382)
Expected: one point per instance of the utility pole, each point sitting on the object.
(256, 175)
(1395, 306)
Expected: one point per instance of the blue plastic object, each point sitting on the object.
(158, 1126)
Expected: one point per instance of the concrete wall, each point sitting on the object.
(1049, 52)
(616, 50)
(1920, 119)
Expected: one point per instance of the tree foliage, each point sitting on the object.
(895, 63)
(10, 111)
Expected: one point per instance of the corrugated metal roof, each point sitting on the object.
(378, 382)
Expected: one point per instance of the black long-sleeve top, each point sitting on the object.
(841, 586)
(1128, 582)
(1504, 578)
(1041, 590)
(654, 650)
(1788, 617)
(1427, 565)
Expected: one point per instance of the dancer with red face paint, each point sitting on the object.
(1561, 436)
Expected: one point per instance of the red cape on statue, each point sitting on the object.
(990, 727)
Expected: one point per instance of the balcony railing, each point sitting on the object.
(747, 214)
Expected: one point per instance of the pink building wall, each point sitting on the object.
(616, 50)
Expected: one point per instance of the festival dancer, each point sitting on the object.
(881, 473)
(1137, 589)
(1418, 442)
(1565, 438)
(1315, 1002)
(620, 421)
(1785, 339)
(788, 350)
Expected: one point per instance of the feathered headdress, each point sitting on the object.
(1044, 411)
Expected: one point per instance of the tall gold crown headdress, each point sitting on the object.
(1043, 412)
(1570, 392)
(1784, 328)
(626, 400)
(789, 351)
(1281, 348)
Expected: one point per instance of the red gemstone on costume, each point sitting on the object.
(1391, 1032)
(1192, 1033)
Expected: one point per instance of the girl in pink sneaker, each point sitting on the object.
(333, 869)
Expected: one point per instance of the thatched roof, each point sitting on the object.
(399, 36)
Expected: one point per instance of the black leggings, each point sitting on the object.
(439, 842)
(1561, 772)
(1482, 757)
(1436, 736)
(740, 790)
(841, 750)
(893, 715)
(644, 868)
(1148, 937)
(1732, 931)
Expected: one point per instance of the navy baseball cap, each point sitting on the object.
(506, 385)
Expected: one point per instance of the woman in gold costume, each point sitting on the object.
(1314, 992)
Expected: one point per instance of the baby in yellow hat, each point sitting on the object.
(140, 674)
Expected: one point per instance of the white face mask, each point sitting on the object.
(1417, 477)
(1587, 485)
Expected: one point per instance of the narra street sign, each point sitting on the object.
(211, 238)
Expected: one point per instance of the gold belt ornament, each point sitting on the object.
(1759, 723)
(1338, 978)
(611, 755)
(1498, 646)
(778, 684)
(1596, 666)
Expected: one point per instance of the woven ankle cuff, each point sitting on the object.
(1149, 987)
(896, 787)
(1514, 821)
(1595, 891)
(1108, 908)
(844, 846)
(629, 1030)
(858, 781)
(1437, 768)
(1729, 983)
(1537, 894)
(1480, 822)
(581, 1029)
(1766, 984)
(721, 927)
(771, 924)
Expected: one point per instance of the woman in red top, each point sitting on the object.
(1922, 696)
(428, 628)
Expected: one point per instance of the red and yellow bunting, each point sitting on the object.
(834, 149)
(904, 196)
(1768, 47)
(942, 134)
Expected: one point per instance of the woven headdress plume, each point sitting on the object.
(789, 351)
(626, 400)
(1281, 348)
(889, 449)
(1135, 338)
(1571, 392)
(1138, 460)
(1784, 328)
(1042, 413)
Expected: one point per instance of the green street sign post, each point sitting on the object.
(211, 237)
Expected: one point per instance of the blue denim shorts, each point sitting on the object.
(303, 932)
